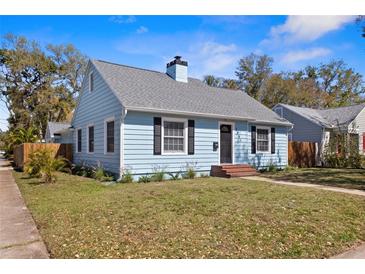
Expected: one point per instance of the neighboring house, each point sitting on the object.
(320, 125)
(58, 133)
(143, 120)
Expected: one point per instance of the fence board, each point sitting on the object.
(302, 154)
(21, 152)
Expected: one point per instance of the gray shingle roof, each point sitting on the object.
(55, 127)
(333, 117)
(146, 89)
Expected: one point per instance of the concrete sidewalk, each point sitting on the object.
(353, 253)
(19, 236)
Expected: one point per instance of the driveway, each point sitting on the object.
(19, 236)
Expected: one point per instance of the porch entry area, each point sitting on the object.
(225, 143)
(226, 168)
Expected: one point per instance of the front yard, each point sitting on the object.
(346, 178)
(201, 218)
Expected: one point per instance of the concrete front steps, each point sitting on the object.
(232, 170)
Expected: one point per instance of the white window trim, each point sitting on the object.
(109, 119)
(87, 138)
(219, 139)
(181, 120)
(77, 140)
(91, 73)
(268, 151)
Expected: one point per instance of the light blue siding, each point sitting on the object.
(93, 108)
(303, 129)
(138, 146)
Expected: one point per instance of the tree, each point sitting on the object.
(38, 85)
(342, 85)
(230, 84)
(220, 82)
(212, 81)
(277, 89)
(252, 71)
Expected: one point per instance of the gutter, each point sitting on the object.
(199, 114)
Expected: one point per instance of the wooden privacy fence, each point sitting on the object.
(21, 152)
(302, 154)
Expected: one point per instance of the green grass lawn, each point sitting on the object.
(201, 218)
(346, 178)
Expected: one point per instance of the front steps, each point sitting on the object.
(231, 170)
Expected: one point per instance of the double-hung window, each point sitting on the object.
(109, 137)
(174, 136)
(90, 135)
(263, 139)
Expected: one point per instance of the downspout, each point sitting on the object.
(121, 145)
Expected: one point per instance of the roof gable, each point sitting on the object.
(333, 117)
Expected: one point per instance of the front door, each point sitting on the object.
(226, 144)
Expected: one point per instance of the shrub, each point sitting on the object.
(174, 176)
(42, 164)
(101, 175)
(144, 179)
(272, 167)
(190, 172)
(127, 177)
(159, 174)
(83, 170)
(290, 168)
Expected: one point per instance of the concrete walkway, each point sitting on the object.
(353, 253)
(19, 237)
(288, 183)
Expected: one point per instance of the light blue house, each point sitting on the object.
(143, 120)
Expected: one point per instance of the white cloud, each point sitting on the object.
(302, 55)
(204, 54)
(119, 19)
(210, 57)
(142, 29)
(305, 28)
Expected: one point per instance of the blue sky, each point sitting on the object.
(211, 44)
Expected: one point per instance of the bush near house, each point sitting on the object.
(342, 151)
(41, 163)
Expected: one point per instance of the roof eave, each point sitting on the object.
(207, 115)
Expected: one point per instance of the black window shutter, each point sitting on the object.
(253, 140)
(272, 140)
(191, 138)
(157, 135)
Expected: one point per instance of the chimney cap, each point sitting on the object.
(177, 61)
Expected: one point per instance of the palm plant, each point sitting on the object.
(21, 135)
(42, 164)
